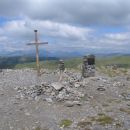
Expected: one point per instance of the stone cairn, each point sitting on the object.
(88, 66)
(0, 70)
(61, 67)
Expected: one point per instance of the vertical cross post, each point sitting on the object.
(37, 52)
(37, 43)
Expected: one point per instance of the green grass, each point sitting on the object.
(43, 64)
(124, 60)
(65, 123)
(38, 128)
(101, 119)
(83, 124)
(52, 64)
(104, 119)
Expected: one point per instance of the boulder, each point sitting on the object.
(72, 103)
(57, 86)
(77, 85)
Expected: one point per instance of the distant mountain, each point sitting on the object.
(108, 55)
(25, 53)
(42, 53)
(58, 54)
(10, 62)
(20, 57)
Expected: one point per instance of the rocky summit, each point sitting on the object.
(29, 102)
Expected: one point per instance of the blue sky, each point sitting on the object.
(88, 26)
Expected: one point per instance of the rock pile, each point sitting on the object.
(57, 91)
(118, 84)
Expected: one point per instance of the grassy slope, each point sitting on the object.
(70, 63)
(124, 60)
(75, 62)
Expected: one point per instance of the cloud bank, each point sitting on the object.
(66, 24)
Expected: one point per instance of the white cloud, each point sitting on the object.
(18, 32)
(83, 12)
(48, 28)
(65, 24)
(118, 36)
(3, 38)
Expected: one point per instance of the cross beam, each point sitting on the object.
(37, 43)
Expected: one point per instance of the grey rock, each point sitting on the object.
(77, 103)
(127, 97)
(69, 104)
(118, 84)
(77, 85)
(1, 94)
(61, 95)
(38, 98)
(27, 114)
(72, 103)
(49, 100)
(101, 89)
(101, 86)
(57, 86)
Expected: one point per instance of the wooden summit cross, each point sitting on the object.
(37, 43)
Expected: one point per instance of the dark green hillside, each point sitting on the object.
(51, 63)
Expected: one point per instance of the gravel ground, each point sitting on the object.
(103, 102)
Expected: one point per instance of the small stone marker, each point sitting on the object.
(0, 70)
(84, 67)
(61, 67)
